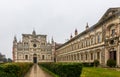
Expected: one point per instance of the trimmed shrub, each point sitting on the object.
(96, 63)
(111, 63)
(14, 69)
(64, 69)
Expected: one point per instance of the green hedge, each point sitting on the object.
(96, 63)
(88, 64)
(64, 69)
(14, 69)
(111, 63)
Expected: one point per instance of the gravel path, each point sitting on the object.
(36, 71)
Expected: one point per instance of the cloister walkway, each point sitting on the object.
(36, 71)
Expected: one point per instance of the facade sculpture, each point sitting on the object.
(33, 48)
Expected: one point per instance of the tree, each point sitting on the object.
(9, 60)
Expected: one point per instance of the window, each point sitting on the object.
(81, 44)
(86, 56)
(98, 55)
(98, 38)
(91, 56)
(74, 57)
(26, 46)
(34, 45)
(43, 57)
(26, 57)
(78, 56)
(81, 56)
(112, 32)
(88, 43)
(91, 40)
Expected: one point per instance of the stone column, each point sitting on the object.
(79, 57)
(89, 57)
(83, 57)
(100, 56)
(106, 56)
(94, 54)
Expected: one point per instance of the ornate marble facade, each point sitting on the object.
(32, 48)
(100, 41)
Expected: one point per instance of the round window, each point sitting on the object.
(34, 45)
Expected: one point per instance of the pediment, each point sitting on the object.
(109, 12)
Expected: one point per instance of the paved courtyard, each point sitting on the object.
(36, 71)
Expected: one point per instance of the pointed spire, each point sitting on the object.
(76, 32)
(15, 39)
(34, 33)
(52, 41)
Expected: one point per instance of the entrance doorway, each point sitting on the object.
(34, 58)
(112, 55)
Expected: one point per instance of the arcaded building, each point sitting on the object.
(33, 48)
(98, 42)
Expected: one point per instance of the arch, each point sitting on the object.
(110, 25)
(34, 58)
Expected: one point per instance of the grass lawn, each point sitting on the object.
(99, 72)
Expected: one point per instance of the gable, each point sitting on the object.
(109, 13)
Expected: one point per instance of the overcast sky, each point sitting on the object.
(57, 18)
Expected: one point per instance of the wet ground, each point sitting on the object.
(36, 71)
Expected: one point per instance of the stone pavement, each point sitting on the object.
(36, 71)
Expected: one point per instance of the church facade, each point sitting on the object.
(33, 48)
(98, 42)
